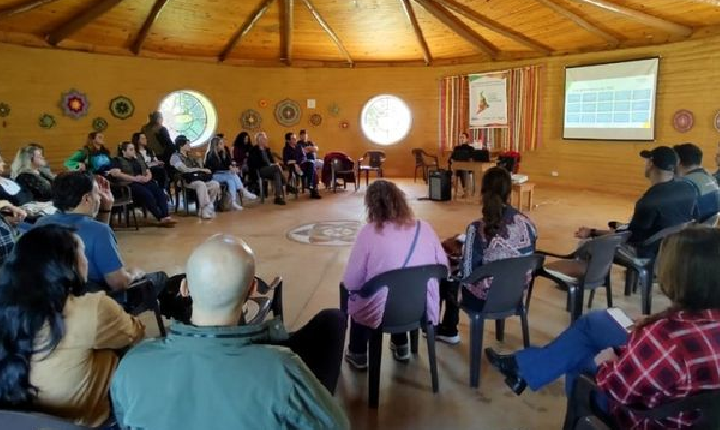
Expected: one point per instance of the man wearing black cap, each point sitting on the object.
(665, 204)
(690, 169)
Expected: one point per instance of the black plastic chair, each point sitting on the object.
(405, 311)
(337, 172)
(420, 163)
(123, 204)
(504, 299)
(263, 187)
(581, 410)
(138, 298)
(375, 161)
(15, 420)
(640, 272)
(596, 256)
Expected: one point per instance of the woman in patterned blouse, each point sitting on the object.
(28, 170)
(663, 358)
(503, 232)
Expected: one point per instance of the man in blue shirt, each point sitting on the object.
(665, 204)
(79, 200)
(690, 169)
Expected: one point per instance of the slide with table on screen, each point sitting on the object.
(614, 101)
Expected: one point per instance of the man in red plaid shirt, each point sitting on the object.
(668, 356)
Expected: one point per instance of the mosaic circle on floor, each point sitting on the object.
(326, 233)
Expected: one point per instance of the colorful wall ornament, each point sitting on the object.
(4, 110)
(122, 107)
(250, 119)
(287, 112)
(99, 124)
(74, 104)
(46, 121)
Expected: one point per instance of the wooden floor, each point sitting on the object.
(312, 274)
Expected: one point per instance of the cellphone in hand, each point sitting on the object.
(621, 318)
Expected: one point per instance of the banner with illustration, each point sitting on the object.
(488, 100)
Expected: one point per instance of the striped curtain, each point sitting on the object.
(523, 132)
(524, 125)
(454, 113)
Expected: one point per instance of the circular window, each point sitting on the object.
(385, 119)
(189, 113)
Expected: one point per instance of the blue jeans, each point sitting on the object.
(233, 182)
(571, 353)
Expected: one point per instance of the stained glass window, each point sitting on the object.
(385, 119)
(189, 113)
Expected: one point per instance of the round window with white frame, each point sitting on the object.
(190, 113)
(385, 119)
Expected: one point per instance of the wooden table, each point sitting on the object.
(478, 168)
(518, 190)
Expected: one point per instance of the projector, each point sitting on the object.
(519, 179)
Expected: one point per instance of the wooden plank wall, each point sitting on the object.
(32, 80)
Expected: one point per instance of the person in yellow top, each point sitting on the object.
(58, 345)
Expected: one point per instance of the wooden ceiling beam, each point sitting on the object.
(418, 31)
(328, 30)
(494, 26)
(244, 29)
(286, 21)
(79, 21)
(23, 7)
(641, 17)
(145, 29)
(580, 22)
(458, 27)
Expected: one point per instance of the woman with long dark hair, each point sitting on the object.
(392, 239)
(93, 157)
(241, 150)
(56, 343)
(157, 167)
(503, 232)
(663, 358)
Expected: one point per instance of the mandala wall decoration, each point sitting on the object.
(250, 119)
(315, 119)
(683, 120)
(4, 110)
(99, 124)
(122, 107)
(287, 112)
(74, 104)
(717, 121)
(46, 121)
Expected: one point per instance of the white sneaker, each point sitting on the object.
(237, 207)
(207, 212)
(248, 195)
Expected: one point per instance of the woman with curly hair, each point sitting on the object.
(392, 239)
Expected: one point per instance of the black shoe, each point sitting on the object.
(314, 194)
(507, 365)
(290, 189)
(279, 201)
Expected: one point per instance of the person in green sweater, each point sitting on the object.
(216, 374)
(93, 157)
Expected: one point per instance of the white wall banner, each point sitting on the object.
(488, 100)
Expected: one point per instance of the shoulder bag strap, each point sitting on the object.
(414, 243)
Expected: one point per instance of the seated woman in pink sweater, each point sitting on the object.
(385, 244)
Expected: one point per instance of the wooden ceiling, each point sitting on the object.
(343, 33)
